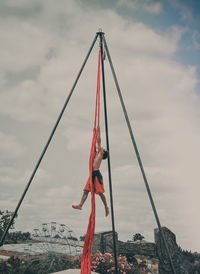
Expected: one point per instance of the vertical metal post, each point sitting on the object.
(48, 142)
(138, 156)
(108, 148)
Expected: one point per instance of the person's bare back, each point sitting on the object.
(98, 159)
(99, 153)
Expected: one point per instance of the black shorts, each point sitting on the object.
(97, 173)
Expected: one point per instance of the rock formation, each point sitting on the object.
(174, 250)
(104, 242)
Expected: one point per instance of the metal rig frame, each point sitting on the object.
(103, 46)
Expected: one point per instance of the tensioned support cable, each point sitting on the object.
(48, 142)
(108, 149)
(138, 155)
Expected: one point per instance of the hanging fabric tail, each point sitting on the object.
(86, 255)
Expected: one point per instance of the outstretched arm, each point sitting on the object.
(98, 139)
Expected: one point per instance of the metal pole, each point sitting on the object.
(108, 148)
(48, 142)
(138, 155)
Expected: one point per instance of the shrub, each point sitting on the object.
(104, 263)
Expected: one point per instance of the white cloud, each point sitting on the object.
(41, 98)
(128, 3)
(10, 147)
(2, 79)
(31, 45)
(160, 99)
(196, 39)
(146, 5)
(153, 8)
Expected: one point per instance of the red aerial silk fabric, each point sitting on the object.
(86, 255)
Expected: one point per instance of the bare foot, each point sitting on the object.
(107, 210)
(77, 207)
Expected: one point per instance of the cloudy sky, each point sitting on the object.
(155, 48)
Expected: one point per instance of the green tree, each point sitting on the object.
(82, 238)
(11, 237)
(5, 217)
(137, 237)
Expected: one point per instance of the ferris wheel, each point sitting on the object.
(56, 238)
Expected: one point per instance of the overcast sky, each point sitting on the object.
(155, 48)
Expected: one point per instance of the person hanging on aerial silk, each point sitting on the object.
(97, 179)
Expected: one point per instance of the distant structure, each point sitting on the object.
(56, 238)
(49, 238)
(154, 254)
(136, 252)
(174, 249)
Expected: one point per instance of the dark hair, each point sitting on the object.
(105, 154)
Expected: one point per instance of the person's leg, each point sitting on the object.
(103, 198)
(83, 199)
